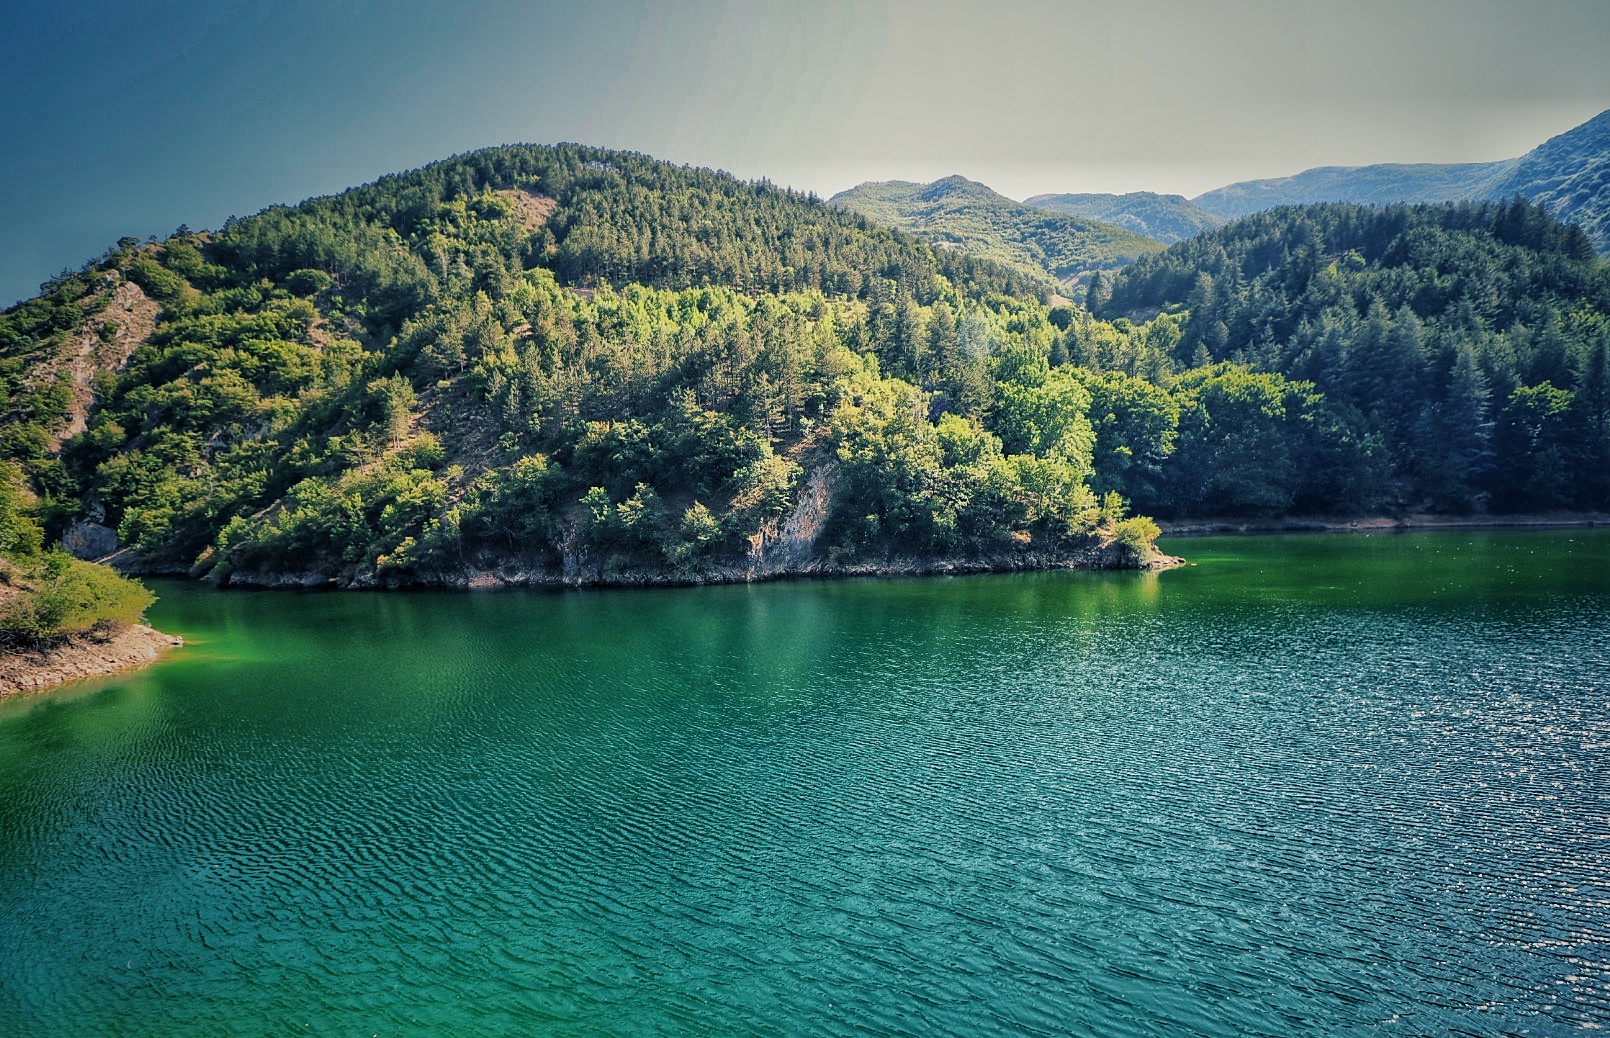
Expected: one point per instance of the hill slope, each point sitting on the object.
(967, 217)
(1570, 175)
(1166, 218)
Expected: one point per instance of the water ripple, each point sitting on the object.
(1001, 806)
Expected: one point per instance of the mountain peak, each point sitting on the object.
(956, 185)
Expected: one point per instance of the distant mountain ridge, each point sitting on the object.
(965, 216)
(1568, 174)
(1381, 184)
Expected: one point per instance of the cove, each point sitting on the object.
(1309, 784)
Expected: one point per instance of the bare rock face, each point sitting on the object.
(792, 548)
(88, 540)
(104, 343)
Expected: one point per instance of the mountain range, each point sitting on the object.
(1568, 174)
(1564, 173)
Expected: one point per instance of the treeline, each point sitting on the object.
(1459, 350)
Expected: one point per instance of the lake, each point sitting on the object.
(1308, 785)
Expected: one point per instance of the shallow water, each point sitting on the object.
(1319, 785)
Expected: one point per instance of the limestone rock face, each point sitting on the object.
(87, 540)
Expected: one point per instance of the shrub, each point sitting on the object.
(72, 597)
(307, 282)
(1135, 536)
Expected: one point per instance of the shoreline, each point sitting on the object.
(82, 657)
(516, 573)
(1381, 523)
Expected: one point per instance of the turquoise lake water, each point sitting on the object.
(1310, 785)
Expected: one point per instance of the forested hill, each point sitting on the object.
(1458, 351)
(551, 363)
(589, 216)
(1167, 218)
(965, 217)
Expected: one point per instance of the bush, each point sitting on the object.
(71, 597)
(1135, 536)
(20, 534)
(307, 282)
(160, 284)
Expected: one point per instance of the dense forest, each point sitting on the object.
(580, 361)
(1455, 354)
(584, 365)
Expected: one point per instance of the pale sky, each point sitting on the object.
(133, 118)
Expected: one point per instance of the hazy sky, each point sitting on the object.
(135, 117)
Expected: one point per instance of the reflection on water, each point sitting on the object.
(1307, 785)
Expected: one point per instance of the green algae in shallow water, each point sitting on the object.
(1331, 783)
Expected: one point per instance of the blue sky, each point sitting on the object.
(133, 118)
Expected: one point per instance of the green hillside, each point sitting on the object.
(961, 216)
(49, 596)
(1166, 218)
(1458, 351)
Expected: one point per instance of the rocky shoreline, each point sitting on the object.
(82, 656)
(580, 572)
(89, 656)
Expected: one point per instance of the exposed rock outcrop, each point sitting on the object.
(89, 540)
(104, 343)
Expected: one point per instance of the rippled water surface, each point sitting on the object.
(1309, 785)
